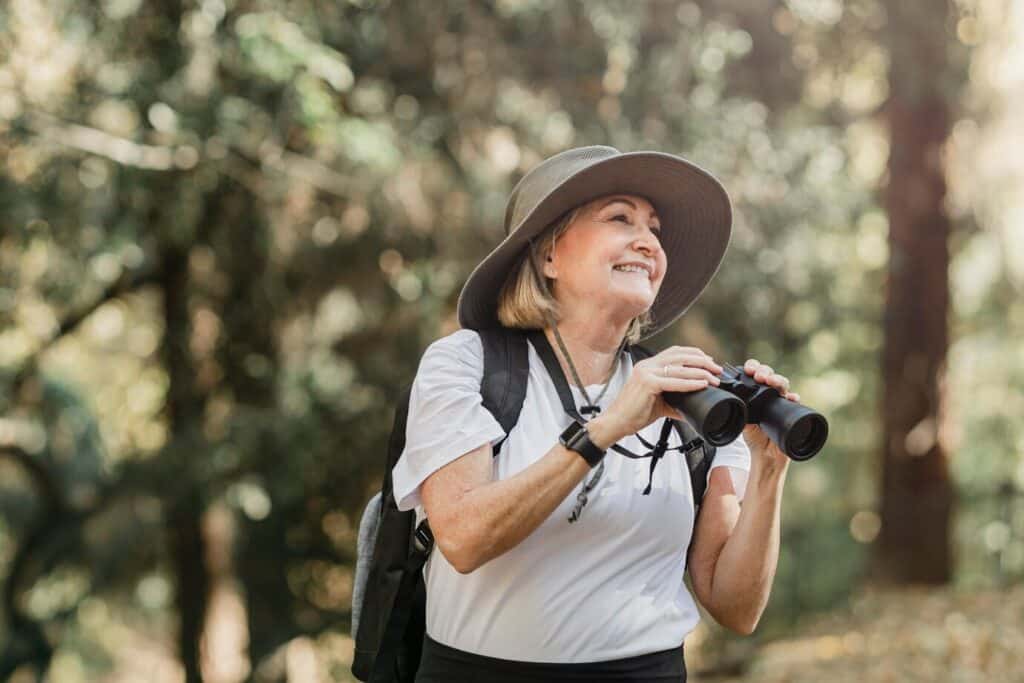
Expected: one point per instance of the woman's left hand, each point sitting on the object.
(755, 437)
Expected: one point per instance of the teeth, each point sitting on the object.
(632, 269)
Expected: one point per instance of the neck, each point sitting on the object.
(592, 347)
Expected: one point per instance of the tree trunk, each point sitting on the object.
(186, 544)
(917, 494)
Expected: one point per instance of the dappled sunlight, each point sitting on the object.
(229, 233)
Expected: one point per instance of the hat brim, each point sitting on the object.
(696, 223)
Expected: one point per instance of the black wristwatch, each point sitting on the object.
(576, 438)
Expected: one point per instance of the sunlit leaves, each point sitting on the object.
(277, 48)
(346, 169)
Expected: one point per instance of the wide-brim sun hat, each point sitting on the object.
(694, 211)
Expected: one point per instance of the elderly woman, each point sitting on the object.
(528, 580)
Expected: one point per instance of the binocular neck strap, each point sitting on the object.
(547, 356)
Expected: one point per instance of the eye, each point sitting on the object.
(656, 229)
(620, 215)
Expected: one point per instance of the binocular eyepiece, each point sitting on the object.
(720, 413)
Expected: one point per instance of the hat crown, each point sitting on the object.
(543, 178)
(693, 206)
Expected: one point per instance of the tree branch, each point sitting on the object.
(41, 477)
(127, 152)
(101, 143)
(30, 643)
(128, 282)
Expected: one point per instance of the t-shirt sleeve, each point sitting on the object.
(447, 418)
(736, 456)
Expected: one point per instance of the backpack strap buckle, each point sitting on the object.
(423, 538)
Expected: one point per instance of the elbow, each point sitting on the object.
(744, 628)
(464, 568)
(459, 551)
(740, 624)
(741, 619)
(462, 562)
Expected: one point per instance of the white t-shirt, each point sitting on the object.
(607, 586)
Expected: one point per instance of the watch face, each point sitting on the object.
(576, 438)
(570, 433)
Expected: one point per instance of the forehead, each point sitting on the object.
(632, 200)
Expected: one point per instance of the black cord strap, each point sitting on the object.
(655, 451)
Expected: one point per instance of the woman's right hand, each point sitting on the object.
(677, 368)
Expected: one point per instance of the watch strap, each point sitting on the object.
(577, 438)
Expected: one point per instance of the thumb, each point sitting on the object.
(755, 436)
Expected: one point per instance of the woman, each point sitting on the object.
(528, 579)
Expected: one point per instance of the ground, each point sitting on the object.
(904, 636)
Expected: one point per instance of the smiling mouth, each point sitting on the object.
(633, 269)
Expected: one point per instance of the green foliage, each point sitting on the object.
(329, 174)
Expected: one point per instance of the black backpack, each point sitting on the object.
(389, 597)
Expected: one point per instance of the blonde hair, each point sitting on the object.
(526, 302)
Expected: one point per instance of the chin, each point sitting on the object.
(639, 293)
(635, 304)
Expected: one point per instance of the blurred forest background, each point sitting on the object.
(230, 227)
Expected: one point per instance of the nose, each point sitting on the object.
(647, 243)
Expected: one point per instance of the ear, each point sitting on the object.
(549, 269)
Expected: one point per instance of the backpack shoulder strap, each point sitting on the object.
(392, 610)
(386, 606)
(699, 453)
(699, 457)
(506, 371)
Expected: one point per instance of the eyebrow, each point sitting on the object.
(654, 214)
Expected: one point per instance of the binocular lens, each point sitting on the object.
(806, 436)
(724, 422)
(716, 414)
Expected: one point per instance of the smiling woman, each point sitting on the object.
(550, 560)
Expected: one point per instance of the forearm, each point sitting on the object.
(746, 567)
(495, 517)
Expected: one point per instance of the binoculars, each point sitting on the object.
(720, 413)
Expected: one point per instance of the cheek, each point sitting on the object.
(592, 256)
(662, 266)
(580, 265)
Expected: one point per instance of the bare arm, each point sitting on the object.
(475, 519)
(735, 549)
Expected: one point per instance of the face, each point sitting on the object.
(610, 254)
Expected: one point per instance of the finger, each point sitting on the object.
(691, 372)
(763, 373)
(687, 349)
(690, 359)
(793, 397)
(684, 351)
(681, 383)
(675, 353)
(687, 372)
(692, 368)
(751, 366)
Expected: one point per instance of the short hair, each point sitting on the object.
(525, 302)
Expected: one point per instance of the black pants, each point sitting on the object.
(443, 664)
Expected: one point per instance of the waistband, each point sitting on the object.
(440, 662)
